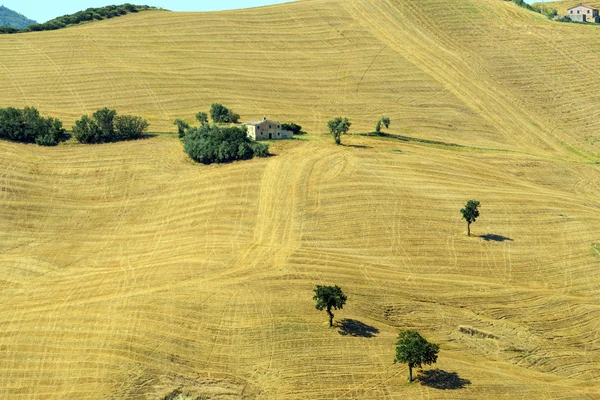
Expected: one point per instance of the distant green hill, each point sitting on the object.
(9, 17)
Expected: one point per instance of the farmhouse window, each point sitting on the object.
(571, 11)
(588, 11)
(269, 126)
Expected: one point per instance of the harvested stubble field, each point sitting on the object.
(128, 271)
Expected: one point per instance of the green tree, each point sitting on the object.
(385, 121)
(86, 130)
(28, 126)
(105, 118)
(223, 115)
(470, 213)
(328, 297)
(337, 127)
(181, 126)
(129, 127)
(202, 117)
(105, 126)
(414, 350)
(213, 144)
(297, 129)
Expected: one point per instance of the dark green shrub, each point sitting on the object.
(202, 117)
(259, 149)
(46, 140)
(181, 127)
(222, 115)
(211, 144)
(105, 126)
(86, 130)
(27, 126)
(105, 118)
(297, 129)
(129, 127)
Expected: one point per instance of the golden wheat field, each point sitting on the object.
(128, 271)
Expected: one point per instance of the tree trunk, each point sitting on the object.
(410, 373)
(330, 316)
(469, 229)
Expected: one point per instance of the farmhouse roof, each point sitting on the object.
(581, 5)
(258, 121)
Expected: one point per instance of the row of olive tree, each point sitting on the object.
(106, 126)
(411, 348)
(28, 126)
(341, 125)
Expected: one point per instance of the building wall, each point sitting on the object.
(266, 130)
(581, 10)
(578, 17)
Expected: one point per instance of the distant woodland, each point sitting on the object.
(90, 14)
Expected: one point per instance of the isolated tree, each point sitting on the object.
(181, 126)
(202, 117)
(414, 350)
(337, 127)
(385, 121)
(470, 213)
(328, 297)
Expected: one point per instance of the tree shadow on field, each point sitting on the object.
(357, 146)
(352, 327)
(443, 380)
(150, 135)
(490, 237)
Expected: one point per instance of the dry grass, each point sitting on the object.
(127, 271)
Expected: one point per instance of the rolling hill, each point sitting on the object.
(9, 17)
(128, 271)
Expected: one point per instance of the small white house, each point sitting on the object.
(583, 13)
(267, 129)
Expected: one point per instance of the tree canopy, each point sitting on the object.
(106, 126)
(292, 127)
(181, 126)
(337, 127)
(27, 126)
(223, 115)
(209, 144)
(470, 213)
(414, 350)
(385, 121)
(329, 297)
(202, 117)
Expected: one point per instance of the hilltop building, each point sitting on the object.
(267, 129)
(583, 13)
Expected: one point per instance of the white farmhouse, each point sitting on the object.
(267, 129)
